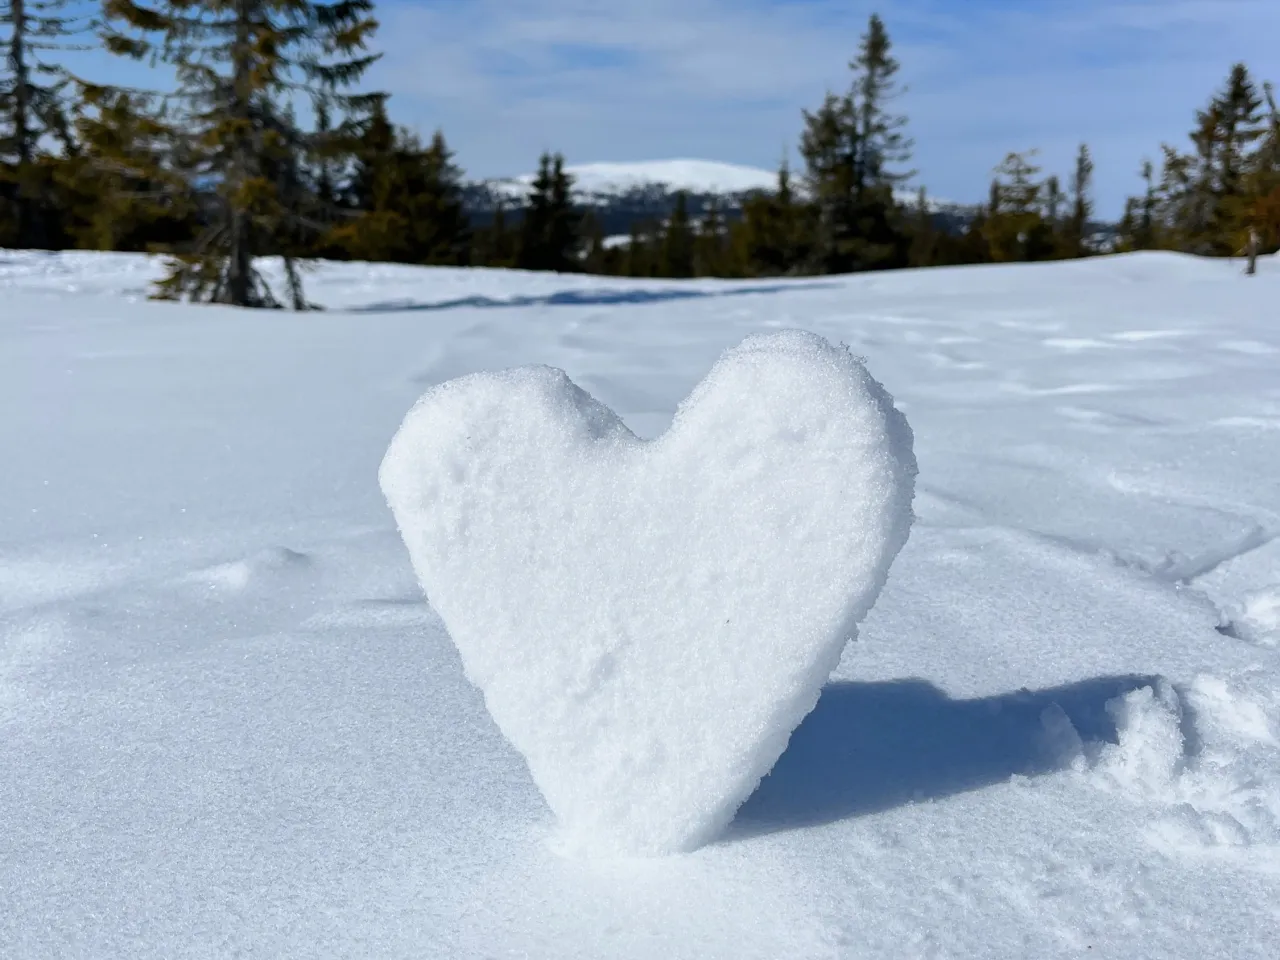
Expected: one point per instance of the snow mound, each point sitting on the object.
(1208, 759)
(1257, 616)
(241, 574)
(649, 621)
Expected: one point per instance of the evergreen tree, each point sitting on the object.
(564, 225)
(596, 256)
(710, 248)
(851, 146)
(881, 145)
(1145, 237)
(828, 145)
(1077, 226)
(1259, 209)
(121, 190)
(549, 234)
(411, 200)
(643, 248)
(924, 234)
(495, 245)
(771, 236)
(33, 107)
(1014, 216)
(676, 258)
(239, 63)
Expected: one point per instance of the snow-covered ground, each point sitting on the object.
(229, 726)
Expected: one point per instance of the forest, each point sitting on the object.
(262, 141)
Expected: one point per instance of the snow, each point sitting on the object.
(602, 182)
(229, 724)
(692, 176)
(649, 621)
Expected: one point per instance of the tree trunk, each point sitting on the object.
(1251, 249)
(239, 276)
(28, 233)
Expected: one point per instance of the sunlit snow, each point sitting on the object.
(230, 725)
(650, 621)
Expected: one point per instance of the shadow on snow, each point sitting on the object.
(868, 747)
(583, 298)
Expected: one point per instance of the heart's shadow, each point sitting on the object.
(868, 747)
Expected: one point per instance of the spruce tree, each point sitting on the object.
(596, 257)
(240, 64)
(1145, 233)
(710, 248)
(549, 233)
(829, 148)
(409, 198)
(676, 258)
(1077, 225)
(1260, 209)
(564, 224)
(495, 245)
(852, 146)
(536, 225)
(924, 234)
(1014, 215)
(121, 189)
(770, 238)
(33, 108)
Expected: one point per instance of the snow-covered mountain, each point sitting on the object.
(605, 181)
(619, 194)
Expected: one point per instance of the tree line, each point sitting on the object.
(219, 168)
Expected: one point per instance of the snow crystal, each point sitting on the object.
(649, 621)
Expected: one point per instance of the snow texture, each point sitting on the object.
(649, 621)
(230, 726)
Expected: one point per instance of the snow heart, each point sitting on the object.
(649, 621)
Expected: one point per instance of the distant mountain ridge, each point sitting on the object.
(621, 195)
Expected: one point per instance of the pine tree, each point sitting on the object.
(710, 247)
(1145, 237)
(120, 189)
(410, 201)
(851, 146)
(549, 234)
(924, 234)
(882, 145)
(564, 225)
(770, 238)
(239, 64)
(1077, 226)
(1014, 211)
(33, 107)
(536, 224)
(640, 260)
(495, 245)
(596, 256)
(1204, 195)
(676, 258)
(828, 145)
(1259, 210)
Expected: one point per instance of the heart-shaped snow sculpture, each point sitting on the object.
(650, 620)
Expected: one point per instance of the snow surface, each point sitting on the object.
(230, 726)
(650, 621)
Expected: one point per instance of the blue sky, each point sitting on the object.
(618, 80)
(726, 79)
